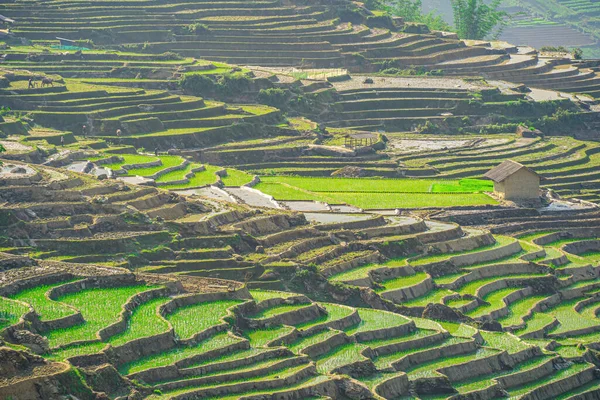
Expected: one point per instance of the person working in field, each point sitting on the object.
(30, 84)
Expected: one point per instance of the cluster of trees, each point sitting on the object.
(473, 19)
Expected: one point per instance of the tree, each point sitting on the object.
(473, 19)
(411, 11)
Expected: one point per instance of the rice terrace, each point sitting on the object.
(299, 199)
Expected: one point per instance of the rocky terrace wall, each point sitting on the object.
(172, 371)
(435, 353)
(554, 389)
(482, 366)
(353, 225)
(274, 383)
(225, 365)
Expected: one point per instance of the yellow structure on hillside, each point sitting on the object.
(514, 181)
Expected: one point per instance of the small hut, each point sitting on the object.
(360, 139)
(514, 181)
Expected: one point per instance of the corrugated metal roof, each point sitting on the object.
(506, 169)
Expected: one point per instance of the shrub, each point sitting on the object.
(169, 55)
(577, 53)
(555, 49)
(274, 97)
(197, 84)
(411, 71)
(198, 29)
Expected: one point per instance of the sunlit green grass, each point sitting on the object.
(307, 341)
(280, 309)
(376, 319)
(72, 351)
(335, 312)
(46, 308)
(428, 369)
(11, 311)
(519, 309)
(190, 320)
(167, 162)
(262, 295)
(144, 322)
(236, 177)
(503, 341)
(178, 354)
(203, 178)
(261, 337)
(496, 302)
(572, 370)
(402, 282)
(340, 356)
(100, 308)
(500, 242)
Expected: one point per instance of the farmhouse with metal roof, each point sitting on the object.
(514, 181)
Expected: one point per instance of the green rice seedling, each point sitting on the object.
(402, 282)
(202, 178)
(282, 191)
(236, 177)
(416, 334)
(504, 341)
(280, 309)
(261, 337)
(190, 320)
(537, 322)
(423, 323)
(458, 302)
(355, 273)
(145, 321)
(376, 379)
(464, 186)
(305, 383)
(459, 330)
(307, 341)
(335, 312)
(178, 353)
(11, 311)
(376, 319)
(262, 295)
(340, 356)
(495, 300)
(46, 308)
(100, 307)
(591, 387)
(519, 309)
(234, 355)
(72, 351)
(261, 366)
(410, 200)
(433, 296)
(569, 319)
(167, 162)
(385, 361)
(472, 287)
(484, 381)
(556, 376)
(500, 242)
(272, 374)
(570, 351)
(530, 237)
(428, 369)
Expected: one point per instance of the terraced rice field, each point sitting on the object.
(378, 193)
(261, 199)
